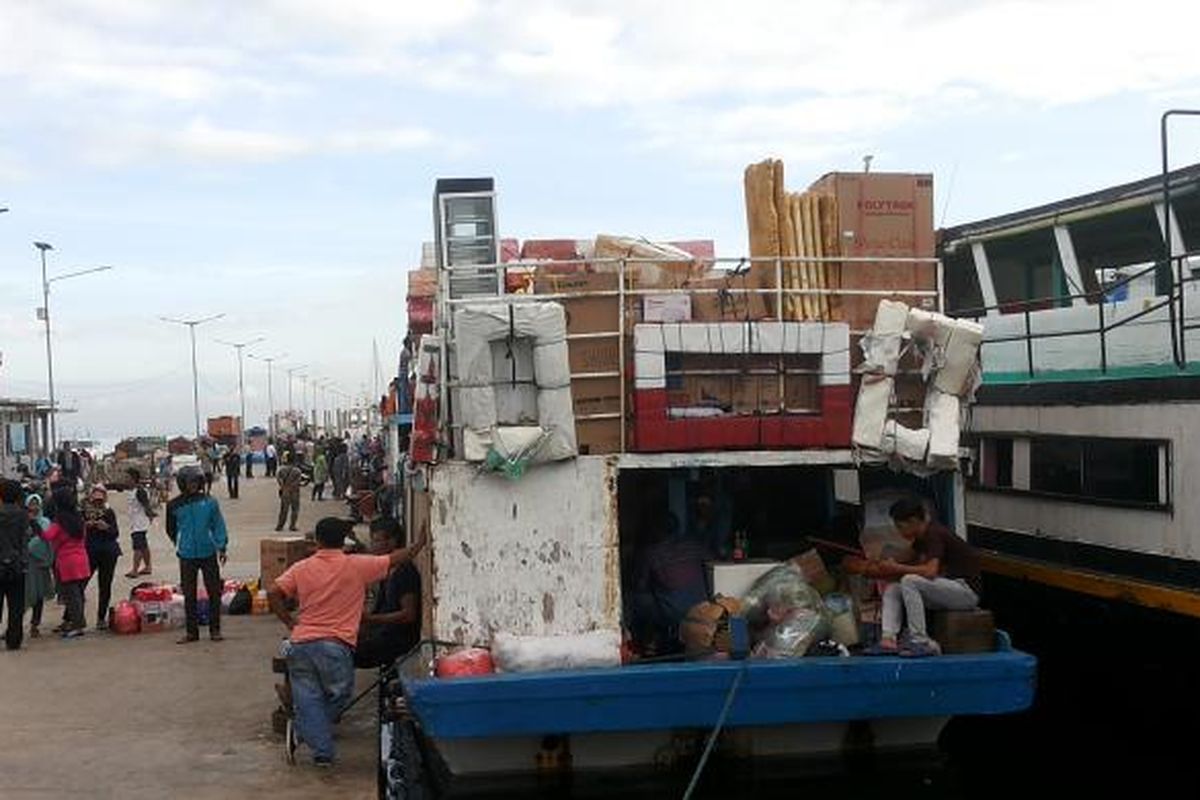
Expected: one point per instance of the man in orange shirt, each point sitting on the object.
(330, 586)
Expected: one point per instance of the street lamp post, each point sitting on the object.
(239, 346)
(269, 361)
(191, 326)
(45, 315)
(290, 372)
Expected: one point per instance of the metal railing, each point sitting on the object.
(1172, 301)
(626, 268)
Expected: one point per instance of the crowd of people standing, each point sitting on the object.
(58, 531)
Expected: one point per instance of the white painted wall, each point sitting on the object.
(1156, 532)
(1145, 341)
(535, 556)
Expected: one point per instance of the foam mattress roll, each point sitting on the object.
(905, 442)
(870, 412)
(943, 420)
(961, 352)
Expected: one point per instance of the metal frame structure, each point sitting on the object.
(446, 304)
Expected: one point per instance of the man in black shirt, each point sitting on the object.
(392, 626)
(944, 574)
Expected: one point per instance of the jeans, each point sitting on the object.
(12, 594)
(322, 676)
(913, 595)
(104, 564)
(318, 491)
(285, 504)
(231, 483)
(249, 467)
(188, 567)
(72, 595)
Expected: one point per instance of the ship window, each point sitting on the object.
(1026, 272)
(962, 283)
(1187, 216)
(1120, 239)
(997, 458)
(1115, 470)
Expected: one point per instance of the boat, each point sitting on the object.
(1083, 428)
(536, 515)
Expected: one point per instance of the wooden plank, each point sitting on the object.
(788, 248)
(831, 247)
(805, 305)
(814, 269)
(1095, 584)
(762, 225)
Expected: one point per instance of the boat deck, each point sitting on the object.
(687, 695)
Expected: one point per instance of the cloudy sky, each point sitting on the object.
(274, 159)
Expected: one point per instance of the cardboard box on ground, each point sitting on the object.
(278, 553)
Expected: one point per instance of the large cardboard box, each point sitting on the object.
(591, 396)
(734, 578)
(594, 355)
(701, 391)
(963, 631)
(584, 314)
(729, 303)
(278, 553)
(756, 394)
(888, 215)
(667, 308)
(598, 436)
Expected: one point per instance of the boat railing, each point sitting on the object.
(1174, 301)
(795, 296)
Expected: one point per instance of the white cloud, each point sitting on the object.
(713, 78)
(202, 141)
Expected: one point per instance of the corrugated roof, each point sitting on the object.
(1149, 188)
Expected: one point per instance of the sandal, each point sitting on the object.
(880, 650)
(132, 574)
(919, 649)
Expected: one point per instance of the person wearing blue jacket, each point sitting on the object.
(197, 529)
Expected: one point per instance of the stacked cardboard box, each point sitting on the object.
(278, 553)
(596, 399)
(889, 215)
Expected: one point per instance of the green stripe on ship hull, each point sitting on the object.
(1076, 375)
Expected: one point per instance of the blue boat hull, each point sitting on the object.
(691, 695)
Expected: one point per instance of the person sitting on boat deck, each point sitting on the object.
(329, 586)
(943, 575)
(392, 626)
(670, 579)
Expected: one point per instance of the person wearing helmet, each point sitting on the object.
(197, 528)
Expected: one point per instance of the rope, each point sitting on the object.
(716, 731)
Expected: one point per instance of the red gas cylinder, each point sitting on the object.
(467, 662)
(124, 618)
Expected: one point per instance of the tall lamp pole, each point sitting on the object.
(191, 326)
(45, 315)
(269, 361)
(239, 346)
(290, 372)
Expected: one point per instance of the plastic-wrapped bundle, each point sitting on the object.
(786, 614)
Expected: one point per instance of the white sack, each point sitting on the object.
(543, 653)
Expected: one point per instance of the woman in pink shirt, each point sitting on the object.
(71, 566)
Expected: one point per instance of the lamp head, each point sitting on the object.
(43, 246)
